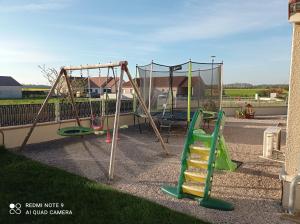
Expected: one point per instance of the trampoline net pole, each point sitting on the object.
(189, 93)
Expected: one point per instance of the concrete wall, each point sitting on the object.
(259, 111)
(292, 154)
(10, 92)
(293, 122)
(44, 132)
(286, 193)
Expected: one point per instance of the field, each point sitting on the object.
(241, 92)
(25, 181)
(36, 89)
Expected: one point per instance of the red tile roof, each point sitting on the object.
(112, 83)
(164, 82)
(128, 84)
(103, 82)
(98, 82)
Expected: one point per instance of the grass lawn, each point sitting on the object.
(26, 181)
(24, 101)
(241, 92)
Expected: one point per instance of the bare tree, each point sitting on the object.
(51, 74)
(79, 85)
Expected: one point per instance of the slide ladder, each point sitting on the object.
(198, 161)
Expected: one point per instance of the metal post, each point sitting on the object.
(134, 97)
(150, 87)
(198, 96)
(189, 92)
(116, 127)
(221, 85)
(35, 121)
(212, 77)
(171, 89)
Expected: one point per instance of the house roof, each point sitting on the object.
(112, 83)
(98, 82)
(128, 83)
(164, 82)
(103, 82)
(178, 81)
(8, 81)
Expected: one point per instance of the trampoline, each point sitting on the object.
(176, 92)
(181, 115)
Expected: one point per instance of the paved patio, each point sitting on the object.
(142, 168)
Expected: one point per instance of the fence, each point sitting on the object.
(241, 101)
(12, 115)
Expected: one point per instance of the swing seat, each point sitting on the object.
(97, 127)
(75, 131)
(96, 123)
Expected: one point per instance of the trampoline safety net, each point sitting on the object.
(165, 88)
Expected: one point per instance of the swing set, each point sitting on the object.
(79, 130)
(97, 121)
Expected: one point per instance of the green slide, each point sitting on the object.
(198, 162)
(223, 158)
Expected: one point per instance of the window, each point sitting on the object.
(107, 90)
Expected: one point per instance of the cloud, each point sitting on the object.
(34, 6)
(220, 18)
(98, 30)
(20, 51)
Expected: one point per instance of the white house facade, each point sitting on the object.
(9, 88)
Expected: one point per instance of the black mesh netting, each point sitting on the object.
(166, 90)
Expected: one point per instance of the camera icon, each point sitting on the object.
(15, 209)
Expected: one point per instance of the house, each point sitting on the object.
(100, 85)
(10, 88)
(95, 85)
(161, 85)
(127, 87)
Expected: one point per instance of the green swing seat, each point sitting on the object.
(75, 131)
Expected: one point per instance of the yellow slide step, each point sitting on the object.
(193, 189)
(199, 150)
(197, 163)
(194, 177)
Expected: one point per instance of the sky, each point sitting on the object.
(252, 38)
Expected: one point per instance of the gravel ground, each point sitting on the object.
(142, 168)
